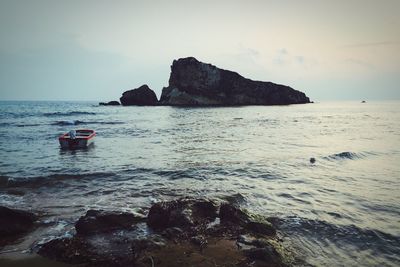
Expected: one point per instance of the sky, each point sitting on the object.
(95, 50)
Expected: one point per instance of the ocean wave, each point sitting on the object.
(51, 180)
(364, 239)
(5, 124)
(28, 125)
(3, 181)
(9, 124)
(68, 122)
(79, 122)
(345, 155)
(71, 113)
(181, 174)
(16, 115)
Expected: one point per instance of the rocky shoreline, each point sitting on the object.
(182, 232)
(194, 83)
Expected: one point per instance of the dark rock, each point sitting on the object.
(173, 233)
(195, 83)
(142, 96)
(111, 103)
(261, 227)
(96, 221)
(229, 214)
(266, 254)
(312, 160)
(145, 244)
(251, 241)
(188, 233)
(181, 213)
(14, 223)
(199, 240)
(73, 251)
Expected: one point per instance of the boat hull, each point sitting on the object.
(83, 139)
(75, 143)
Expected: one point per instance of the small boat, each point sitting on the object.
(77, 138)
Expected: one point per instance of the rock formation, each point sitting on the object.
(142, 96)
(111, 103)
(195, 83)
(96, 221)
(14, 223)
(182, 232)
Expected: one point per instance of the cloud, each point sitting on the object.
(281, 57)
(358, 62)
(299, 59)
(372, 44)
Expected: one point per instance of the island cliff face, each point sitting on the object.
(193, 83)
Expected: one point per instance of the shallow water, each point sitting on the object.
(342, 210)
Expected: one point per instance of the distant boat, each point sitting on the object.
(77, 138)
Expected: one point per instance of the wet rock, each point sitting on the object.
(96, 221)
(181, 213)
(74, 250)
(252, 241)
(188, 232)
(246, 239)
(312, 160)
(266, 254)
(261, 227)
(199, 240)
(141, 96)
(195, 83)
(159, 215)
(172, 232)
(146, 244)
(111, 103)
(229, 214)
(13, 223)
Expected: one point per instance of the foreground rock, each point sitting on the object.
(14, 223)
(195, 83)
(97, 221)
(142, 96)
(184, 232)
(181, 213)
(111, 103)
(230, 214)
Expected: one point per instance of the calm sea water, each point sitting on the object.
(343, 210)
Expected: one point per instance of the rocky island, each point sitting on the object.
(194, 83)
(142, 96)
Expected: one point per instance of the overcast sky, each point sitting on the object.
(95, 50)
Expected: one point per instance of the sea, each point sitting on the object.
(341, 210)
